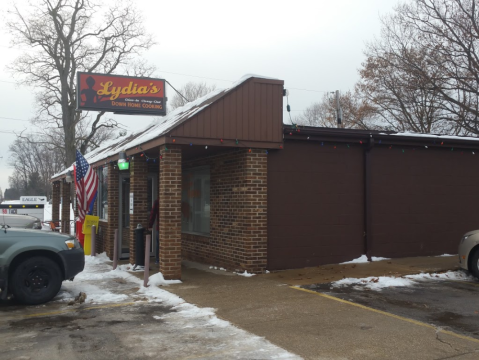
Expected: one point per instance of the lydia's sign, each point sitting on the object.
(123, 94)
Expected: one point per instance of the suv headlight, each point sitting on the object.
(70, 244)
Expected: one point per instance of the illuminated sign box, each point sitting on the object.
(124, 165)
(120, 94)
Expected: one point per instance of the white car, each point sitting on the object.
(19, 221)
(469, 252)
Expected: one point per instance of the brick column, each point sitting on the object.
(65, 207)
(139, 188)
(75, 202)
(113, 207)
(170, 212)
(56, 201)
(255, 212)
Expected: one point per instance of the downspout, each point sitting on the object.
(367, 199)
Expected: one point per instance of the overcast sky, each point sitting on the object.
(314, 46)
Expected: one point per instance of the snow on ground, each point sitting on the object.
(102, 284)
(245, 274)
(364, 259)
(381, 282)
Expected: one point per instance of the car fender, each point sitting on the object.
(16, 250)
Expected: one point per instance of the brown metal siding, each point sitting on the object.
(423, 200)
(315, 205)
(251, 112)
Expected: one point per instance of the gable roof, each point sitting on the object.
(159, 127)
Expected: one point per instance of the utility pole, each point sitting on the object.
(339, 111)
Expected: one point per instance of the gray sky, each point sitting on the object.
(312, 45)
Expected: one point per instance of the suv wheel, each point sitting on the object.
(36, 280)
(474, 264)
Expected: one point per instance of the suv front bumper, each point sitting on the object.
(73, 262)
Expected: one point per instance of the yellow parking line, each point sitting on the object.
(51, 313)
(415, 322)
(468, 283)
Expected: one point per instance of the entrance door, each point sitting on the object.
(124, 220)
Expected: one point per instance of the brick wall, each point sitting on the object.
(75, 209)
(238, 203)
(101, 237)
(170, 212)
(138, 186)
(66, 207)
(56, 201)
(113, 209)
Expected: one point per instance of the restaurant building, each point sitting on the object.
(240, 189)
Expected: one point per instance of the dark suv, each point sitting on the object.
(34, 263)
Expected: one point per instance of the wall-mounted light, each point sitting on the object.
(123, 163)
(69, 177)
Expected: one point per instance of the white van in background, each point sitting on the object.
(27, 205)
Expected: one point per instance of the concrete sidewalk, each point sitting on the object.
(317, 327)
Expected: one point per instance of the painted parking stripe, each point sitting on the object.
(412, 321)
(468, 283)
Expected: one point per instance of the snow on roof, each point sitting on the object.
(432, 136)
(159, 126)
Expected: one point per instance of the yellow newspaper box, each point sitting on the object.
(90, 220)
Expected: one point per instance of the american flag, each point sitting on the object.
(86, 184)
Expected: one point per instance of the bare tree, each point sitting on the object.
(357, 113)
(191, 91)
(67, 36)
(33, 166)
(402, 99)
(424, 69)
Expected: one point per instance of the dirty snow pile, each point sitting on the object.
(102, 284)
(380, 282)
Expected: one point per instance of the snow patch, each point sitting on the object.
(381, 282)
(449, 275)
(245, 274)
(364, 259)
(158, 279)
(373, 283)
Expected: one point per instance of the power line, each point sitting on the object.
(7, 118)
(319, 91)
(201, 77)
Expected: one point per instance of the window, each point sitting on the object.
(102, 203)
(195, 201)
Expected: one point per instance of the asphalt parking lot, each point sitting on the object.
(54, 331)
(452, 305)
(430, 319)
